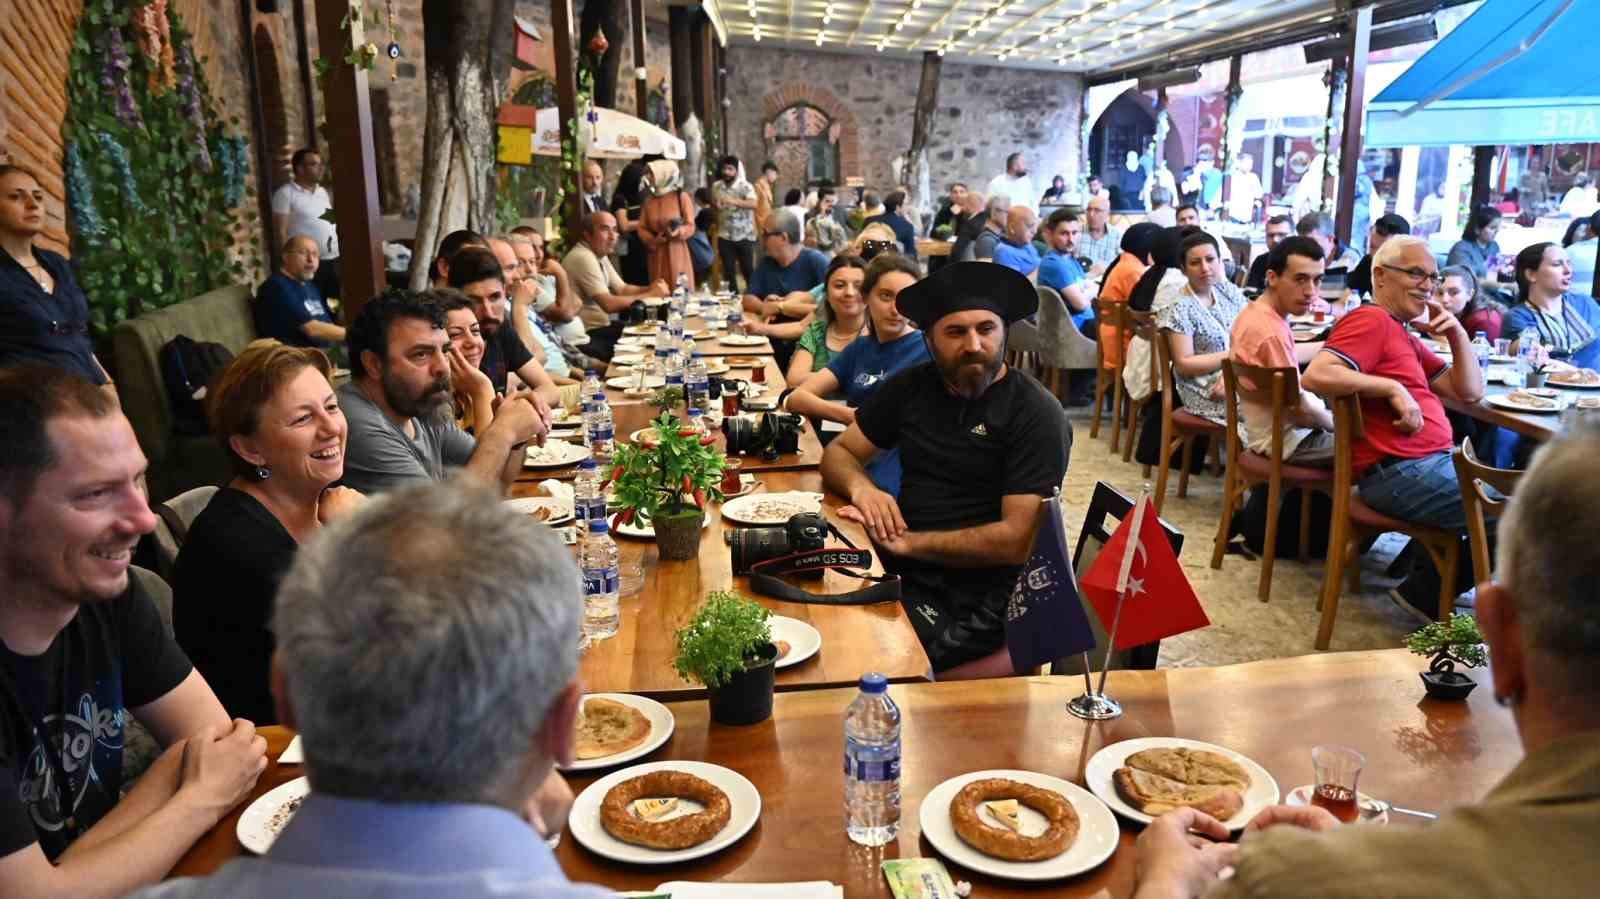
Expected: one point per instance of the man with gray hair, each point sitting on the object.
(984, 234)
(434, 687)
(789, 266)
(1533, 834)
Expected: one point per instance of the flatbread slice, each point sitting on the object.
(607, 727)
(1191, 766)
(1154, 794)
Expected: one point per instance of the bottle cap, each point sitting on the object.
(873, 682)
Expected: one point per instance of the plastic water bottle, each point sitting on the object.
(696, 422)
(697, 384)
(1482, 349)
(735, 319)
(599, 434)
(674, 324)
(872, 764)
(588, 495)
(593, 390)
(673, 367)
(601, 566)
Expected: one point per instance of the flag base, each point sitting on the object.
(1095, 707)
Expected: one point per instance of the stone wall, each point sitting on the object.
(985, 113)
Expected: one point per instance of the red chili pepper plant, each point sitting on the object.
(668, 484)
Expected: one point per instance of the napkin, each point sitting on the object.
(293, 754)
(814, 889)
(561, 490)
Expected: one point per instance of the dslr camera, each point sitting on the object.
(768, 436)
(748, 547)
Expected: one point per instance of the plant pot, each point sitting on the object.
(1450, 685)
(1535, 378)
(746, 698)
(678, 534)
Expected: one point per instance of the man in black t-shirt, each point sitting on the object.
(980, 445)
(479, 275)
(82, 647)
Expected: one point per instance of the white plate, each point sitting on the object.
(745, 361)
(1567, 386)
(560, 511)
(261, 822)
(627, 359)
(1098, 833)
(645, 531)
(1098, 775)
(716, 367)
(584, 820)
(555, 454)
(803, 639)
(1503, 401)
(655, 301)
(640, 436)
(640, 330)
(742, 510)
(623, 382)
(743, 340)
(661, 725)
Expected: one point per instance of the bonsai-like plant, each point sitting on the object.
(1451, 643)
(677, 475)
(666, 398)
(722, 639)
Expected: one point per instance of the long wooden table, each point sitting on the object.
(1421, 754)
(1539, 426)
(708, 346)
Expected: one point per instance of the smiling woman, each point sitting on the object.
(276, 416)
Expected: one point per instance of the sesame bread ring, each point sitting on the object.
(676, 833)
(999, 842)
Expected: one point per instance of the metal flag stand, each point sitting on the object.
(1094, 704)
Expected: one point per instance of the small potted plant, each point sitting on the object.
(728, 647)
(666, 398)
(667, 485)
(1450, 643)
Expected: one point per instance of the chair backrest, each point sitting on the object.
(1143, 325)
(1473, 476)
(1348, 430)
(1277, 389)
(173, 519)
(1107, 507)
(1161, 375)
(1113, 314)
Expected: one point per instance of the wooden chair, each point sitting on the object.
(1179, 427)
(1353, 521)
(1107, 508)
(1143, 325)
(1479, 506)
(1108, 378)
(1279, 390)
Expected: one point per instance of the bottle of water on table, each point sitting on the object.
(593, 390)
(735, 319)
(672, 363)
(872, 764)
(598, 433)
(1482, 350)
(588, 494)
(697, 383)
(600, 563)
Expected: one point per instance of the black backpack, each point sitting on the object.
(187, 367)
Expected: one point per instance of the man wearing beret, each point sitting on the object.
(980, 446)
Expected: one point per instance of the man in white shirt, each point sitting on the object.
(297, 210)
(1244, 191)
(1015, 183)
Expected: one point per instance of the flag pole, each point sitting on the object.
(1094, 704)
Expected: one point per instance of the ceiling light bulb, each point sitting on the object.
(758, 36)
(826, 19)
(899, 25)
(941, 51)
(819, 39)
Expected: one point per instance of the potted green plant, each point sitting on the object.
(728, 647)
(1450, 643)
(667, 484)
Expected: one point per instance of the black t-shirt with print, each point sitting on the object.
(113, 656)
(503, 351)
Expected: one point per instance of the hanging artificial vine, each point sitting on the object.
(365, 56)
(572, 142)
(154, 175)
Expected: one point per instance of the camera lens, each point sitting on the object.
(751, 546)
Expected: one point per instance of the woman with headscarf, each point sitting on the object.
(666, 222)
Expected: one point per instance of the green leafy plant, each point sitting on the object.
(680, 473)
(666, 397)
(722, 639)
(1451, 643)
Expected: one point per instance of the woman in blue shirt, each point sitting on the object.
(1566, 323)
(891, 345)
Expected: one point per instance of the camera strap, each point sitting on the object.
(766, 577)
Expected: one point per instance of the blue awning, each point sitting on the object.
(1541, 96)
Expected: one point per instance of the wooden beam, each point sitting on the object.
(701, 59)
(679, 33)
(1235, 91)
(307, 78)
(641, 83)
(258, 124)
(1355, 108)
(922, 120)
(567, 106)
(355, 173)
(1482, 166)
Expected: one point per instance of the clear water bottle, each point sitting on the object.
(658, 363)
(673, 368)
(1482, 349)
(593, 390)
(697, 384)
(696, 422)
(588, 493)
(735, 319)
(601, 566)
(674, 324)
(664, 335)
(872, 764)
(599, 434)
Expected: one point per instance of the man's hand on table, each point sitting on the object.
(880, 514)
(1176, 860)
(219, 771)
(518, 416)
(1307, 817)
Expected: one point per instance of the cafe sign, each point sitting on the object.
(1484, 122)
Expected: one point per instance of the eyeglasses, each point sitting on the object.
(1421, 276)
(766, 234)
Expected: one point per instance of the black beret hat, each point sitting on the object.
(961, 286)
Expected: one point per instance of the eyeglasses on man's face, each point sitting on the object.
(1419, 275)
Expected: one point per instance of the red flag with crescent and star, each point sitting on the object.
(1159, 601)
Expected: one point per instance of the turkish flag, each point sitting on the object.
(1159, 601)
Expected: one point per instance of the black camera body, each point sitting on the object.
(748, 547)
(770, 436)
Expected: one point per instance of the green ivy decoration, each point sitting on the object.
(364, 57)
(572, 143)
(152, 226)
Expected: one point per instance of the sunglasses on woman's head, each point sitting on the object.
(871, 248)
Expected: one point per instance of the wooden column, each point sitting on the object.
(307, 79)
(641, 84)
(1482, 166)
(567, 106)
(722, 93)
(270, 240)
(1355, 110)
(922, 121)
(1235, 91)
(355, 174)
(701, 57)
(679, 33)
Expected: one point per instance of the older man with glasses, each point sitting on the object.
(1402, 463)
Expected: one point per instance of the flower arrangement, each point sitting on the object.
(722, 639)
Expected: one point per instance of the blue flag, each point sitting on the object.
(1045, 620)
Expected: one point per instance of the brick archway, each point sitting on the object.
(774, 103)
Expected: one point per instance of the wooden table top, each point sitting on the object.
(709, 346)
(1421, 753)
(927, 247)
(1539, 426)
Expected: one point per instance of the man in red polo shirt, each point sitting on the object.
(1403, 465)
